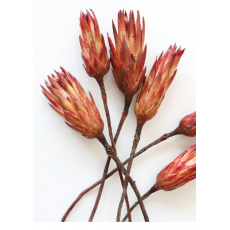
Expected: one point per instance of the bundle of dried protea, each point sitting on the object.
(127, 57)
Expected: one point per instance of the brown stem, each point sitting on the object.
(159, 140)
(104, 98)
(126, 197)
(152, 190)
(112, 154)
(123, 117)
(100, 189)
(135, 143)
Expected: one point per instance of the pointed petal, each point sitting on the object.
(143, 32)
(55, 84)
(85, 29)
(78, 129)
(131, 32)
(114, 64)
(97, 65)
(121, 25)
(59, 111)
(112, 49)
(138, 23)
(91, 25)
(143, 56)
(81, 91)
(65, 84)
(175, 62)
(97, 32)
(125, 54)
(84, 118)
(83, 47)
(86, 60)
(160, 94)
(117, 43)
(165, 70)
(64, 101)
(168, 83)
(156, 84)
(73, 118)
(51, 99)
(150, 101)
(138, 65)
(138, 44)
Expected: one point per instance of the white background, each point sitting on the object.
(65, 163)
(16, 164)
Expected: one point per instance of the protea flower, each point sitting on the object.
(187, 125)
(128, 55)
(176, 174)
(94, 52)
(179, 172)
(150, 98)
(70, 101)
(160, 78)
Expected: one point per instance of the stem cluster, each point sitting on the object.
(159, 140)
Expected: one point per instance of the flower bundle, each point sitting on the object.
(127, 57)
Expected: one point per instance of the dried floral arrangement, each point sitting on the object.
(127, 57)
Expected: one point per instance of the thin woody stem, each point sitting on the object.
(126, 197)
(124, 192)
(112, 154)
(104, 98)
(123, 117)
(146, 195)
(159, 140)
(100, 189)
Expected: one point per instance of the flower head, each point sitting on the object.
(94, 52)
(128, 55)
(179, 172)
(187, 125)
(69, 100)
(160, 78)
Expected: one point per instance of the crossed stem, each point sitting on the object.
(104, 98)
(112, 154)
(124, 192)
(159, 140)
(146, 195)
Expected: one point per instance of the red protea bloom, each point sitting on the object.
(128, 55)
(94, 52)
(70, 101)
(153, 91)
(179, 172)
(187, 125)
(176, 174)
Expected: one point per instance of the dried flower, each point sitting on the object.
(94, 52)
(179, 172)
(176, 174)
(187, 125)
(70, 101)
(128, 57)
(153, 91)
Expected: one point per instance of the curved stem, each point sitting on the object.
(159, 140)
(146, 195)
(123, 117)
(100, 189)
(104, 98)
(135, 143)
(112, 154)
